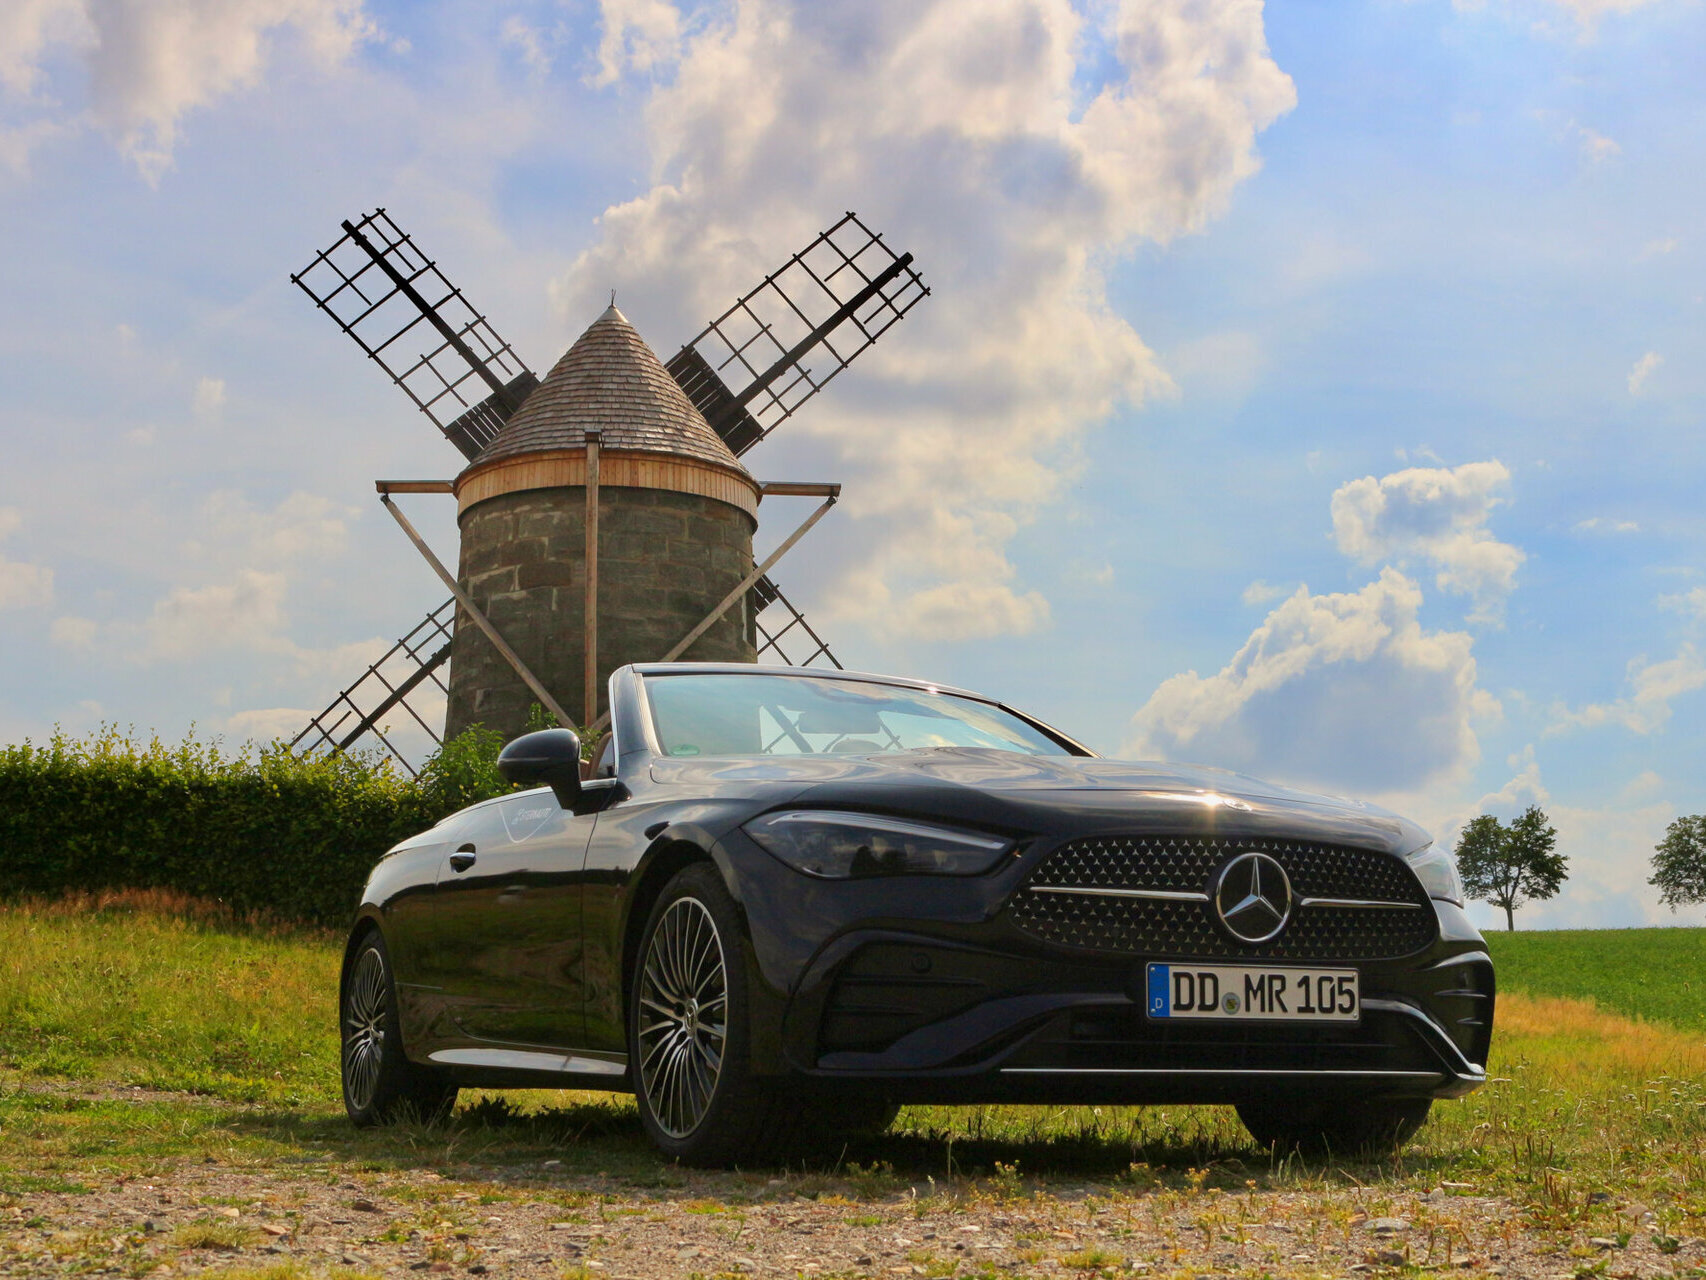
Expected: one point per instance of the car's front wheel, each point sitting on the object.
(1334, 1126)
(380, 1083)
(688, 1030)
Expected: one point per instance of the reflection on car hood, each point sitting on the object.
(1002, 771)
(1011, 792)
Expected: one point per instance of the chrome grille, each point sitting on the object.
(1058, 903)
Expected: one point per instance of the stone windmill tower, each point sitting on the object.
(674, 521)
(605, 513)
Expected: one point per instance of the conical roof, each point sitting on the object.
(609, 381)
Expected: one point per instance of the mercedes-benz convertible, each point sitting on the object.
(783, 899)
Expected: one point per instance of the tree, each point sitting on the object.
(1679, 863)
(1509, 865)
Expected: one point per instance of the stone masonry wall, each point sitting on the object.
(665, 559)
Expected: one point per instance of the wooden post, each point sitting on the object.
(589, 702)
(831, 492)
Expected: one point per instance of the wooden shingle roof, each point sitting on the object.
(611, 381)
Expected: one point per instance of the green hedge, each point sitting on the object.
(262, 831)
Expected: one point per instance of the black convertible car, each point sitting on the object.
(788, 899)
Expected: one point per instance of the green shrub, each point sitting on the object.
(261, 831)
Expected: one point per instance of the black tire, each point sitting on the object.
(380, 1084)
(1334, 1126)
(698, 1100)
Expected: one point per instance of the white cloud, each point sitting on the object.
(1259, 592)
(303, 526)
(1344, 691)
(25, 586)
(1596, 147)
(27, 29)
(247, 615)
(1523, 789)
(145, 64)
(1437, 515)
(244, 614)
(1587, 13)
(1644, 368)
(240, 563)
(18, 143)
(267, 724)
(1646, 708)
(1658, 248)
(529, 42)
(1605, 524)
(959, 128)
(964, 610)
(635, 35)
(209, 396)
(71, 632)
(1691, 603)
(1422, 451)
(22, 586)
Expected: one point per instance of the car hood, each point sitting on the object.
(1005, 788)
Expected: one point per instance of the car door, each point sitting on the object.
(507, 929)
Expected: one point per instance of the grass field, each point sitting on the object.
(1654, 974)
(136, 1039)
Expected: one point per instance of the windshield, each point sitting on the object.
(749, 715)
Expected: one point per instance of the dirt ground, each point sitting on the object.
(310, 1215)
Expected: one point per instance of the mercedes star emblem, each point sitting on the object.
(1252, 897)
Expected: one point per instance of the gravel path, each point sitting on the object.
(530, 1221)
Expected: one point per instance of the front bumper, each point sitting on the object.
(924, 989)
(923, 1020)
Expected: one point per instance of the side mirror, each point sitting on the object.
(548, 758)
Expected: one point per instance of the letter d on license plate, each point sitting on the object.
(1251, 992)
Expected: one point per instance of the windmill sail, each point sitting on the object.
(388, 699)
(378, 702)
(417, 326)
(779, 345)
(778, 621)
(747, 372)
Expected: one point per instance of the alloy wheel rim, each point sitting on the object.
(364, 1029)
(683, 1016)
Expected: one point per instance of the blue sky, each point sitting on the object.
(1310, 390)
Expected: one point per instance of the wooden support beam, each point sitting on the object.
(728, 601)
(798, 489)
(480, 620)
(414, 486)
(589, 701)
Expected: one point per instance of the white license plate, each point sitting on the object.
(1252, 993)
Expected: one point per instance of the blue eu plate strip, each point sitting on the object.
(1160, 998)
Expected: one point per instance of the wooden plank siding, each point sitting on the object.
(562, 468)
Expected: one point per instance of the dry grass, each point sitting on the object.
(1578, 1033)
(210, 1233)
(162, 903)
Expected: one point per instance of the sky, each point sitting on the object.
(1312, 390)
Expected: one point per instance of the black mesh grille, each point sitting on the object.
(1188, 864)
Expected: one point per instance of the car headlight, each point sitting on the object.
(1438, 873)
(842, 846)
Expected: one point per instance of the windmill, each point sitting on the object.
(677, 441)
